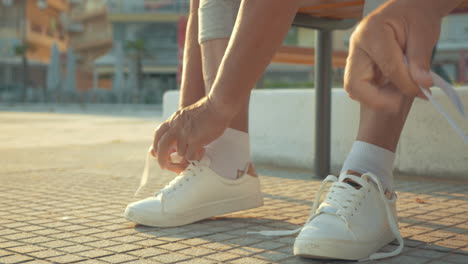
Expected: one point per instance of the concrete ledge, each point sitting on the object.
(282, 131)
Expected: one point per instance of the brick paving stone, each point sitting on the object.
(197, 251)
(128, 239)
(171, 258)
(81, 239)
(244, 241)
(37, 240)
(57, 244)
(118, 258)
(268, 245)
(272, 256)
(9, 244)
(95, 253)
(431, 254)
(297, 260)
(75, 248)
(195, 241)
(456, 258)
(197, 261)
(91, 261)
(36, 261)
(65, 235)
(150, 242)
(27, 249)
(123, 248)
(246, 251)
(18, 236)
(173, 246)
(171, 238)
(222, 256)
(14, 259)
(148, 252)
(46, 253)
(66, 258)
(4, 253)
(408, 260)
(248, 260)
(143, 261)
(217, 246)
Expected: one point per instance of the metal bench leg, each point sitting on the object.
(323, 74)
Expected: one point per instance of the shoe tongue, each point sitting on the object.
(205, 161)
(175, 158)
(352, 178)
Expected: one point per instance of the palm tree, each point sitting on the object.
(136, 50)
(21, 50)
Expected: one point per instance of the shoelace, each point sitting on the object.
(191, 171)
(191, 168)
(343, 202)
(454, 99)
(145, 174)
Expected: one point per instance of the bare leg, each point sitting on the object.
(212, 55)
(377, 140)
(383, 129)
(192, 88)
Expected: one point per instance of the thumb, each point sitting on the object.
(421, 73)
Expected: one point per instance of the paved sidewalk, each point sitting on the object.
(65, 180)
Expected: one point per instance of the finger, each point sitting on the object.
(164, 145)
(160, 131)
(194, 153)
(419, 54)
(153, 153)
(360, 85)
(181, 146)
(177, 168)
(388, 55)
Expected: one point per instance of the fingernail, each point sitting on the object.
(422, 96)
(423, 78)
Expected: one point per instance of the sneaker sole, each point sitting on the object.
(203, 212)
(337, 249)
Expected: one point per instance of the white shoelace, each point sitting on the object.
(145, 175)
(454, 99)
(189, 171)
(344, 197)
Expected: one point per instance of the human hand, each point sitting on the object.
(189, 130)
(376, 73)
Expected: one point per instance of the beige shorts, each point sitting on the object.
(216, 18)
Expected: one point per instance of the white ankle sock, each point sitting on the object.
(229, 154)
(365, 157)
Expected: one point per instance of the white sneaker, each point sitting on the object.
(197, 193)
(355, 220)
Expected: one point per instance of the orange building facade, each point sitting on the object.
(90, 36)
(44, 28)
(32, 26)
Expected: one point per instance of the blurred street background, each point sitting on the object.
(117, 51)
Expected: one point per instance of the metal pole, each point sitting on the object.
(323, 73)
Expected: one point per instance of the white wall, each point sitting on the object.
(282, 132)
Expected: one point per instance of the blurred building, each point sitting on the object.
(90, 35)
(293, 64)
(452, 49)
(147, 30)
(28, 29)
